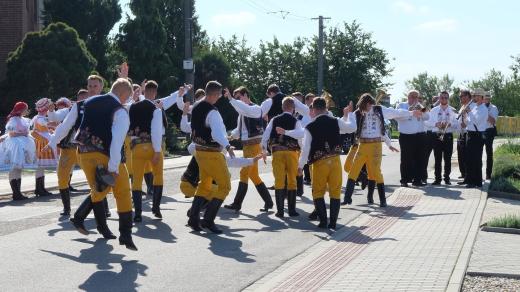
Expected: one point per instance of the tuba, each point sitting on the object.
(381, 92)
(328, 98)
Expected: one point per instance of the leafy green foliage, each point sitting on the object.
(92, 19)
(505, 221)
(506, 169)
(53, 62)
(430, 86)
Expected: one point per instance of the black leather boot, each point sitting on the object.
(125, 230)
(370, 193)
(15, 187)
(137, 198)
(80, 215)
(266, 197)
(65, 199)
(71, 189)
(382, 197)
(194, 221)
(299, 185)
(40, 187)
(334, 212)
(291, 203)
(107, 209)
(148, 179)
(321, 210)
(279, 196)
(239, 197)
(313, 216)
(101, 220)
(156, 203)
(209, 216)
(349, 190)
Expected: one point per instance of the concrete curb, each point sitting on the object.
(498, 275)
(500, 230)
(503, 195)
(459, 272)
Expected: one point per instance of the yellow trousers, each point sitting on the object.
(68, 158)
(285, 163)
(251, 172)
(129, 160)
(213, 167)
(142, 154)
(350, 158)
(371, 155)
(327, 174)
(189, 190)
(121, 189)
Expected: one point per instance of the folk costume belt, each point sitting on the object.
(253, 141)
(207, 149)
(370, 140)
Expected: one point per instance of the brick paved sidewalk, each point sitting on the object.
(417, 244)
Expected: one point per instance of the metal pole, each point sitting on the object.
(188, 45)
(320, 53)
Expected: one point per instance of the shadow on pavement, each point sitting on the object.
(154, 229)
(104, 279)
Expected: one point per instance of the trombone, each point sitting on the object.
(464, 109)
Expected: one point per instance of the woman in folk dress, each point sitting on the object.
(17, 148)
(41, 132)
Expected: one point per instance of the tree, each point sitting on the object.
(212, 66)
(92, 19)
(153, 41)
(505, 91)
(430, 86)
(53, 62)
(354, 64)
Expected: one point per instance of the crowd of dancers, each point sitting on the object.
(117, 140)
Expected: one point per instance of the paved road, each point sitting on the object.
(45, 253)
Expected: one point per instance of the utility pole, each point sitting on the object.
(189, 67)
(320, 53)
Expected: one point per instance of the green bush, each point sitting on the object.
(505, 221)
(508, 148)
(506, 165)
(505, 184)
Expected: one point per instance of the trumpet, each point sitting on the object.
(464, 109)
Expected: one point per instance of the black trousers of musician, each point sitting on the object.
(442, 150)
(490, 137)
(461, 153)
(412, 153)
(429, 143)
(474, 148)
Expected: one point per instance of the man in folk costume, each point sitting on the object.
(250, 128)
(66, 132)
(41, 132)
(322, 149)
(412, 139)
(17, 148)
(272, 106)
(281, 137)
(475, 119)
(63, 138)
(209, 135)
(147, 126)
(465, 100)
(370, 128)
(101, 138)
(491, 132)
(442, 122)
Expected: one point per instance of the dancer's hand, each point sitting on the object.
(280, 131)
(393, 149)
(156, 157)
(230, 152)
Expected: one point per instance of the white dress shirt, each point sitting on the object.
(244, 110)
(120, 126)
(441, 114)
(476, 119)
(216, 124)
(58, 115)
(64, 127)
(157, 129)
(296, 133)
(346, 125)
(371, 127)
(410, 125)
(492, 112)
(266, 106)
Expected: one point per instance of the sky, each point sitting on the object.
(462, 38)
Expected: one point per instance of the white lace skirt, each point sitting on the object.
(18, 153)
